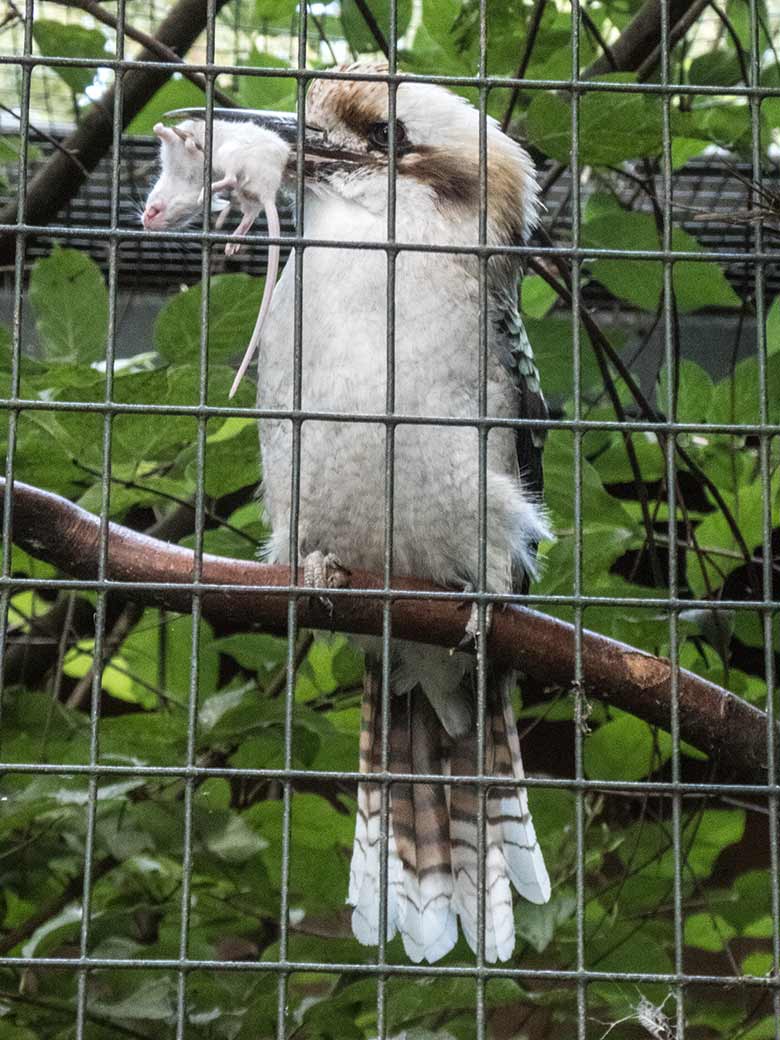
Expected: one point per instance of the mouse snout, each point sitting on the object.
(154, 216)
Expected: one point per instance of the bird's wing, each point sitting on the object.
(513, 349)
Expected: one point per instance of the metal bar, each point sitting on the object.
(655, 603)
(490, 82)
(294, 533)
(771, 983)
(16, 348)
(199, 411)
(571, 252)
(182, 772)
(580, 705)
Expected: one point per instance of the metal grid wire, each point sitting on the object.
(114, 235)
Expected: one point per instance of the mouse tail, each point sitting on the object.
(274, 231)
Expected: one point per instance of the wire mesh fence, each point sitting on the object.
(178, 797)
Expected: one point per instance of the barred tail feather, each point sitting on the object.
(524, 858)
(464, 837)
(365, 869)
(433, 831)
(426, 918)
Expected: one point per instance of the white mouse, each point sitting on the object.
(249, 162)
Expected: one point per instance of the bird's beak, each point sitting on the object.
(316, 146)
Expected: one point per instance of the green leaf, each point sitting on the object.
(234, 300)
(149, 640)
(53, 932)
(254, 651)
(773, 328)
(686, 148)
(359, 36)
(537, 297)
(70, 301)
(551, 338)
(154, 1000)
(694, 392)
(58, 40)
(274, 92)
(435, 41)
(708, 932)
(640, 282)
(613, 126)
(537, 924)
(625, 749)
(715, 68)
(760, 964)
(599, 509)
(176, 93)
(278, 12)
(728, 125)
(737, 398)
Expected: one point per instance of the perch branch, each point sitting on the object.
(711, 718)
(59, 180)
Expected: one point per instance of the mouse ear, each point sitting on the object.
(165, 133)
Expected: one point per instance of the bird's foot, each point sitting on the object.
(472, 633)
(324, 571)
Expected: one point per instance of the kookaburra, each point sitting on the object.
(432, 833)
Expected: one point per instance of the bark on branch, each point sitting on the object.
(711, 718)
(637, 49)
(59, 180)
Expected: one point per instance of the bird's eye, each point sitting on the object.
(379, 134)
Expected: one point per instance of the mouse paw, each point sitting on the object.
(226, 184)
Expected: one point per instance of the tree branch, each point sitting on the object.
(711, 718)
(59, 180)
(638, 46)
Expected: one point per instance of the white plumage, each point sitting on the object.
(433, 841)
(436, 475)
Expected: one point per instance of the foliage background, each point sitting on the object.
(145, 687)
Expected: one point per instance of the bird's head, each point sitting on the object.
(437, 148)
(347, 143)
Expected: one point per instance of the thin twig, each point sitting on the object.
(525, 60)
(47, 137)
(122, 627)
(729, 27)
(595, 32)
(279, 681)
(186, 503)
(648, 412)
(373, 25)
(323, 35)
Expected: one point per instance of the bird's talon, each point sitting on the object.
(471, 635)
(324, 571)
